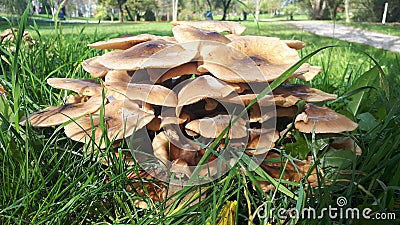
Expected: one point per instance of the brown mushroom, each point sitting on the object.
(261, 140)
(212, 127)
(322, 120)
(154, 94)
(82, 87)
(213, 25)
(94, 67)
(123, 43)
(56, 115)
(161, 75)
(193, 91)
(302, 92)
(121, 119)
(118, 76)
(186, 33)
(295, 44)
(151, 54)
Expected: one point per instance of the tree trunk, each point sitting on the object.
(346, 9)
(175, 10)
(318, 9)
(129, 13)
(226, 5)
(121, 13)
(258, 7)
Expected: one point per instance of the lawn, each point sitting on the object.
(45, 178)
(388, 28)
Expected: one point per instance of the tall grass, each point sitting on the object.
(47, 178)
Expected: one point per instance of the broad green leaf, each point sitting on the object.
(367, 121)
(369, 78)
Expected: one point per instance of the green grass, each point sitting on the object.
(388, 28)
(47, 178)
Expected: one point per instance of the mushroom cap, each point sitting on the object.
(160, 122)
(154, 94)
(94, 67)
(203, 87)
(310, 74)
(229, 64)
(121, 119)
(123, 43)
(326, 121)
(303, 92)
(245, 99)
(262, 140)
(161, 75)
(151, 54)
(213, 25)
(117, 76)
(56, 115)
(82, 87)
(295, 44)
(186, 33)
(251, 59)
(270, 49)
(212, 127)
(166, 151)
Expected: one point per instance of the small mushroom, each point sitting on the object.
(165, 150)
(161, 75)
(322, 120)
(151, 54)
(303, 92)
(261, 140)
(56, 115)
(94, 67)
(160, 122)
(153, 94)
(212, 127)
(346, 143)
(82, 87)
(213, 25)
(295, 44)
(123, 43)
(121, 119)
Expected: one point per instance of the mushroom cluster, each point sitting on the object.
(182, 93)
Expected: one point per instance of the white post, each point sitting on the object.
(384, 13)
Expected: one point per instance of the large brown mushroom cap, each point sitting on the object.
(151, 54)
(322, 120)
(295, 44)
(123, 43)
(194, 91)
(303, 92)
(56, 115)
(211, 127)
(212, 25)
(185, 33)
(121, 119)
(82, 87)
(154, 94)
(94, 67)
(273, 50)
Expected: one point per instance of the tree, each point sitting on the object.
(347, 10)
(318, 9)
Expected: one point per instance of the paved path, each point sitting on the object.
(377, 40)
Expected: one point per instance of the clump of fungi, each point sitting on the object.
(181, 93)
